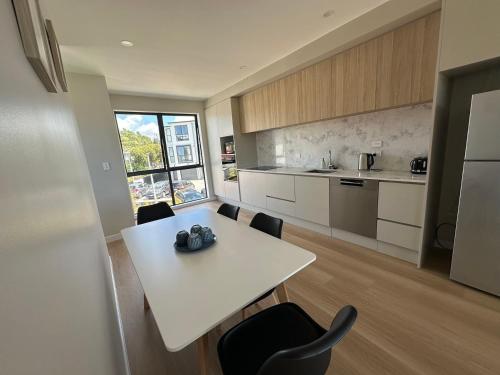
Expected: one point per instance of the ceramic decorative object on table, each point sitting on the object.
(194, 241)
(196, 229)
(207, 235)
(182, 238)
(198, 238)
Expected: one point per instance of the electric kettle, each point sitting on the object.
(366, 161)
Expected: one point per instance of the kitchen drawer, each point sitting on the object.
(281, 206)
(232, 190)
(402, 203)
(280, 186)
(399, 234)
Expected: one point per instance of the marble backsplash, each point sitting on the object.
(404, 132)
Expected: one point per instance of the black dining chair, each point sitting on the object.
(272, 226)
(154, 212)
(229, 211)
(282, 340)
(267, 224)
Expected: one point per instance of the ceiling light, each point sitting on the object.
(126, 43)
(328, 13)
(243, 67)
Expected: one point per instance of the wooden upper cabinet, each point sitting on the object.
(290, 93)
(247, 113)
(407, 60)
(430, 56)
(354, 79)
(395, 69)
(314, 95)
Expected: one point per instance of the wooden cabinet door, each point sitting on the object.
(315, 87)
(289, 90)
(430, 55)
(247, 113)
(407, 60)
(354, 79)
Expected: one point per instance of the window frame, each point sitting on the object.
(164, 149)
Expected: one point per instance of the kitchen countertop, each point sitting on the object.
(396, 176)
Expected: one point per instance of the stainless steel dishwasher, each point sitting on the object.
(354, 205)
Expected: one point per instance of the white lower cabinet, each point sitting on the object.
(253, 188)
(406, 236)
(281, 206)
(280, 186)
(400, 202)
(312, 199)
(232, 190)
(218, 181)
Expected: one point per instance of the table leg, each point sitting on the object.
(282, 293)
(146, 304)
(202, 345)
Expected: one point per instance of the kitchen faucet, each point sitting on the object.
(330, 162)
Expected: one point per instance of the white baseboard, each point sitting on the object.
(116, 304)
(113, 237)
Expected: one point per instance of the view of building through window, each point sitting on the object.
(162, 157)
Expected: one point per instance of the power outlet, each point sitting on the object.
(376, 144)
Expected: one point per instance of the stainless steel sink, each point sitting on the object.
(324, 171)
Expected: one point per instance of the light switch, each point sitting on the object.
(106, 166)
(376, 143)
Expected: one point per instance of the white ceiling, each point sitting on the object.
(188, 48)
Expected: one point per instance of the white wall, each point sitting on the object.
(90, 99)
(57, 312)
(158, 104)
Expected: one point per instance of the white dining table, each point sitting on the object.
(191, 293)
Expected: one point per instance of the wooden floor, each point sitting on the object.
(410, 321)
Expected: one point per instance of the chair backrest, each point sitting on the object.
(312, 358)
(229, 211)
(268, 224)
(156, 211)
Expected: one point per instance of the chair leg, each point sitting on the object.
(202, 345)
(275, 298)
(282, 293)
(146, 304)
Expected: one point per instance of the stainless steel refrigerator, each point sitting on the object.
(476, 251)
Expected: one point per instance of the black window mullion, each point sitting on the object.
(165, 157)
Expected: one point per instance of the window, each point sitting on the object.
(181, 132)
(184, 154)
(149, 154)
(171, 156)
